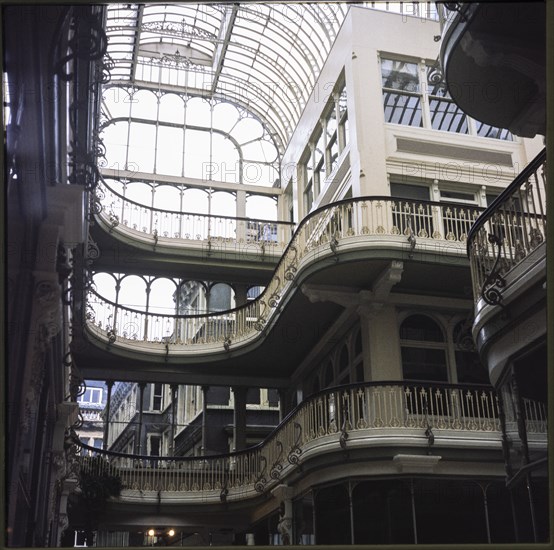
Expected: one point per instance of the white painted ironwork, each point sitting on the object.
(511, 228)
(335, 417)
(364, 220)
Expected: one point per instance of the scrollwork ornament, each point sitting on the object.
(261, 480)
(490, 292)
(277, 467)
(295, 451)
(93, 252)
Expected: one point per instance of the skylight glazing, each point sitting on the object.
(265, 57)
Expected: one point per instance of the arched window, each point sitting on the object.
(423, 348)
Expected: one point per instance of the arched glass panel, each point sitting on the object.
(117, 100)
(142, 147)
(260, 150)
(225, 159)
(247, 129)
(198, 112)
(139, 192)
(162, 300)
(221, 297)
(116, 185)
(144, 105)
(169, 151)
(225, 116)
(422, 328)
(423, 349)
(167, 197)
(104, 284)
(132, 293)
(260, 207)
(115, 140)
(195, 200)
(223, 204)
(254, 291)
(197, 159)
(172, 109)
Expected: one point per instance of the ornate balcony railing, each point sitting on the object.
(384, 221)
(511, 228)
(337, 418)
(157, 223)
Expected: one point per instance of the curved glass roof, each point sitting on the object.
(265, 57)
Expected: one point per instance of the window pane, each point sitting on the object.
(447, 116)
(406, 191)
(169, 159)
(402, 108)
(484, 130)
(421, 328)
(424, 364)
(141, 147)
(399, 75)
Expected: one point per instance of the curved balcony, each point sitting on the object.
(143, 232)
(493, 57)
(507, 249)
(370, 229)
(357, 418)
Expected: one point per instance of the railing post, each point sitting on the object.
(174, 398)
(109, 383)
(138, 442)
(204, 419)
(239, 418)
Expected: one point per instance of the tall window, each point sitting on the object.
(154, 445)
(157, 397)
(423, 348)
(322, 154)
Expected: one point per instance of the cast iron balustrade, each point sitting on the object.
(431, 227)
(510, 229)
(119, 211)
(348, 416)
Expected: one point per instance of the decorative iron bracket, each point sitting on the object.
(295, 451)
(276, 467)
(261, 481)
(494, 281)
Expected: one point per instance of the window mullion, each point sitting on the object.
(471, 127)
(451, 359)
(424, 91)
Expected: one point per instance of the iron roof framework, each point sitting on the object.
(265, 57)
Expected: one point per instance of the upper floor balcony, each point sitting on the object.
(507, 252)
(493, 57)
(430, 419)
(140, 221)
(353, 240)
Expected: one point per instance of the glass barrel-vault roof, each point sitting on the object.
(265, 57)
